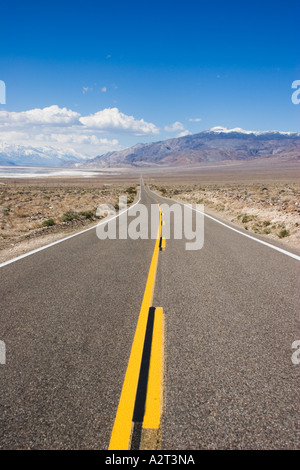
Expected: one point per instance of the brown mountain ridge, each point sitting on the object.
(216, 145)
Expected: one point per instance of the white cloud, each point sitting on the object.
(175, 127)
(104, 89)
(184, 133)
(80, 139)
(194, 119)
(82, 144)
(60, 127)
(112, 120)
(109, 120)
(85, 89)
(52, 115)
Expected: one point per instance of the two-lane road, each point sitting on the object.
(68, 318)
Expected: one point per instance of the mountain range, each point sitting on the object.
(214, 145)
(19, 155)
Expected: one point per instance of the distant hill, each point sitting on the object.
(19, 155)
(216, 144)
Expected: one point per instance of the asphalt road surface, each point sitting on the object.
(68, 317)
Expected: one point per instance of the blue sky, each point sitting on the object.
(106, 75)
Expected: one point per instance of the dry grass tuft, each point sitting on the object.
(35, 214)
(271, 210)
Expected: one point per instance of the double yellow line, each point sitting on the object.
(123, 425)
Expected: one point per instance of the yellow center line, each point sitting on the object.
(154, 389)
(122, 429)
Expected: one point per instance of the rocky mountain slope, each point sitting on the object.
(216, 144)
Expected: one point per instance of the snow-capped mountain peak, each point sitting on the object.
(239, 130)
(13, 154)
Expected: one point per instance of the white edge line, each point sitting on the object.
(108, 219)
(281, 250)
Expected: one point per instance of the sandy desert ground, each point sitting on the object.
(262, 196)
(35, 213)
(270, 209)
